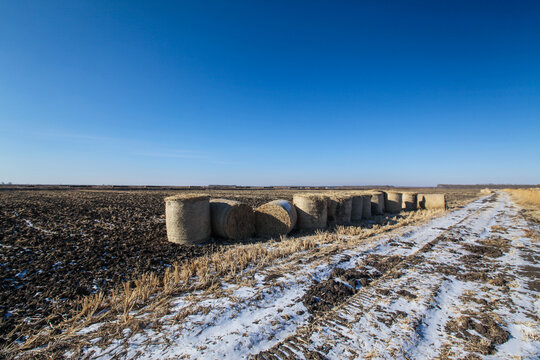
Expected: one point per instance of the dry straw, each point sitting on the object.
(530, 200)
(377, 203)
(232, 219)
(392, 202)
(275, 218)
(358, 207)
(431, 201)
(311, 210)
(339, 209)
(200, 273)
(409, 201)
(187, 218)
(366, 206)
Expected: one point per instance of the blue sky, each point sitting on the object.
(270, 92)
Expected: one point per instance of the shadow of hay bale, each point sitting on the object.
(232, 219)
(409, 201)
(377, 203)
(312, 211)
(393, 202)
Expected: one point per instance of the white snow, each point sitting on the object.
(246, 320)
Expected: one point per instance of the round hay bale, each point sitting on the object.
(377, 203)
(366, 206)
(311, 210)
(232, 219)
(431, 201)
(358, 207)
(409, 201)
(275, 218)
(187, 218)
(339, 209)
(392, 202)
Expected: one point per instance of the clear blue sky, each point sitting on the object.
(270, 92)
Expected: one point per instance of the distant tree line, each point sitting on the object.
(483, 186)
(10, 186)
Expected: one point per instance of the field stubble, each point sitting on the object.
(529, 199)
(78, 253)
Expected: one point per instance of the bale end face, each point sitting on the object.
(409, 201)
(275, 218)
(377, 203)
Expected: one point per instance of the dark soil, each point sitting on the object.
(389, 317)
(343, 284)
(492, 333)
(326, 294)
(407, 294)
(383, 264)
(490, 251)
(58, 246)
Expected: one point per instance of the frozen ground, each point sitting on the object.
(462, 286)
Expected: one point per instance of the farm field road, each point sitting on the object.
(469, 292)
(464, 285)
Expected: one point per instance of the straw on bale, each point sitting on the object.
(392, 202)
(486, 191)
(366, 206)
(187, 218)
(431, 201)
(409, 201)
(311, 210)
(358, 207)
(275, 218)
(232, 219)
(377, 203)
(339, 209)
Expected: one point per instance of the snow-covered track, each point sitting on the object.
(412, 311)
(461, 284)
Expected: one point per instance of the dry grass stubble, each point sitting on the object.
(529, 199)
(151, 294)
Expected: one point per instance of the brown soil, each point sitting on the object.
(383, 264)
(58, 246)
(492, 333)
(407, 294)
(497, 242)
(325, 295)
(483, 250)
(343, 284)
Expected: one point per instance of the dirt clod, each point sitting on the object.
(489, 251)
(492, 333)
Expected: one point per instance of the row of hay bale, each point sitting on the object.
(316, 211)
(195, 218)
